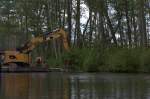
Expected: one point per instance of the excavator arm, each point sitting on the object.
(59, 33)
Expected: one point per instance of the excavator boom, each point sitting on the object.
(59, 33)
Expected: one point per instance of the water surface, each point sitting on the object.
(60, 85)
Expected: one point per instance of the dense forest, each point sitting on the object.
(104, 35)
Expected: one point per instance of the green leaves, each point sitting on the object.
(110, 60)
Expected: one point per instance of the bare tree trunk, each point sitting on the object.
(109, 23)
(135, 31)
(128, 22)
(111, 29)
(69, 12)
(91, 27)
(84, 32)
(102, 37)
(78, 32)
(142, 22)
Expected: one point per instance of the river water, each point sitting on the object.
(59, 85)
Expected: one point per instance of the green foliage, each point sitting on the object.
(54, 63)
(77, 57)
(94, 60)
(145, 61)
(85, 59)
(109, 60)
(124, 60)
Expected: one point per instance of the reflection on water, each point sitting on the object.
(74, 86)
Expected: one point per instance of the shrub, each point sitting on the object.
(108, 59)
(122, 60)
(145, 61)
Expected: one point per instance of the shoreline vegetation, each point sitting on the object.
(104, 35)
(129, 60)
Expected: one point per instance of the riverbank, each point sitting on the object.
(107, 60)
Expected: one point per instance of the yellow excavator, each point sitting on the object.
(21, 56)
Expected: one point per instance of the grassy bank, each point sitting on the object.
(107, 60)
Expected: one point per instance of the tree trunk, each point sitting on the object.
(128, 22)
(69, 12)
(142, 23)
(78, 32)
